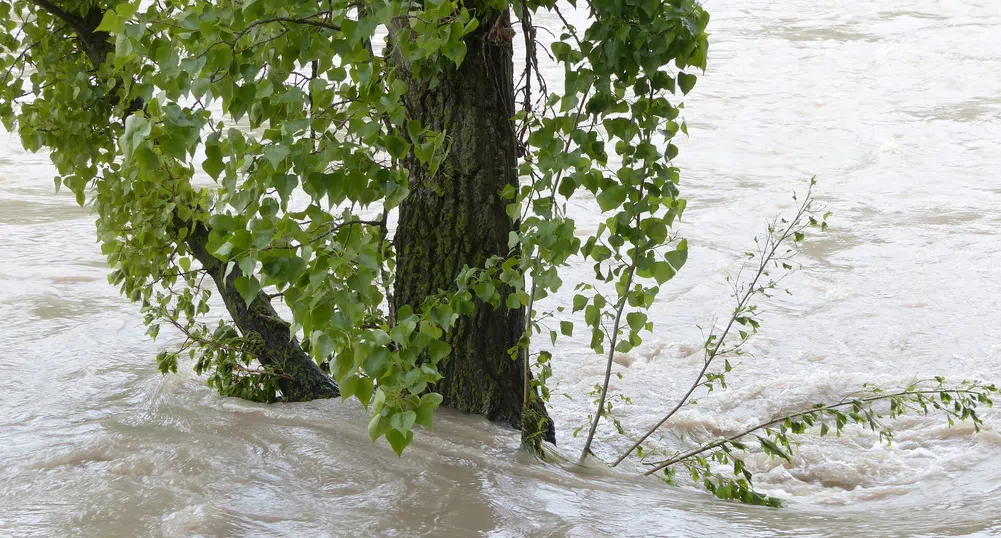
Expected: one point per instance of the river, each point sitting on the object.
(895, 106)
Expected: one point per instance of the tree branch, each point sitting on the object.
(788, 232)
(812, 411)
(94, 43)
(75, 21)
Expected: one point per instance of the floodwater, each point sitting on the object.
(895, 106)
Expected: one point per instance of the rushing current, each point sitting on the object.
(895, 106)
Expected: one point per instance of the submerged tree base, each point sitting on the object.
(536, 427)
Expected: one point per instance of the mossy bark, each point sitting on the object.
(301, 379)
(456, 217)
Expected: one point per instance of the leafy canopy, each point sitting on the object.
(278, 127)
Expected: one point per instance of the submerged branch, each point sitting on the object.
(821, 408)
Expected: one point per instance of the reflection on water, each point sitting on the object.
(893, 105)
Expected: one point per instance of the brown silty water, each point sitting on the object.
(896, 108)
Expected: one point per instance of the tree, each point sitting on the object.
(344, 138)
(387, 205)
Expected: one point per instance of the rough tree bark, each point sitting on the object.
(457, 217)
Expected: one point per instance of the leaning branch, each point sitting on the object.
(613, 340)
(712, 354)
(608, 366)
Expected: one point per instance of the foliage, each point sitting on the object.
(617, 83)
(298, 120)
(263, 144)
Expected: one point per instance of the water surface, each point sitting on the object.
(895, 106)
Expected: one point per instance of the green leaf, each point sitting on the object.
(376, 363)
(401, 332)
(403, 421)
(455, 51)
(364, 390)
(110, 23)
(275, 155)
(677, 258)
(611, 198)
(566, 328)
(137, 128)
(348, 386)
(414, 130)
(686, 82)
(146, 159)
(376, 426)
(672, 152)
(223, 251)
(126, 10)
(560, 50)
(429, 402)
(285, 184)
(636, 320)
(323, 346)
(396, 146)
(772, 449)
(398, 440)
(662, 272)
(485, 290)
(441, 315)
(438, 350)
(247, 286)
(213, 164)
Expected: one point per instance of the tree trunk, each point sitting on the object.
(457, 217)
(301, 379)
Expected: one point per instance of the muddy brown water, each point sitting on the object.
(895, 106)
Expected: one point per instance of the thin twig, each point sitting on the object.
(608, 366)
(528, 332)
(613, 340)
(741, 304)
(260, 372)
(25, 53)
